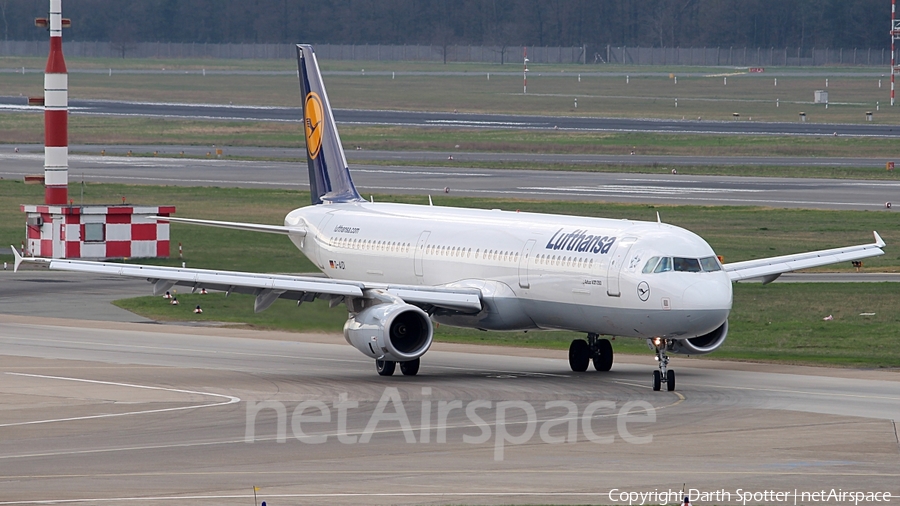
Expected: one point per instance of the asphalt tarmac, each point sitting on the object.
(662, 188)
(99, 406)
(459, 120)
(116, 413)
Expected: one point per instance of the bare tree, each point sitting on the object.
(5, 21)
(122, 38)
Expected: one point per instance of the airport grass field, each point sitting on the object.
(703, 94)
(105, 131)
(714, 93)
(777, 322)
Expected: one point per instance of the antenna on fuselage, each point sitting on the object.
(658, 220)
(372, 199)
(430, 203)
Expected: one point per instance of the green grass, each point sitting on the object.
(829, 172)
(781, 322)
(106, 131)
(513, 65)
(737, 233)
(25, 128)
(552, 90)
(773, 322)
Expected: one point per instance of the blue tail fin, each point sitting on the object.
(329, 176)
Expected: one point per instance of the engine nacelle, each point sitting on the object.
(701, 345)
(396, 332)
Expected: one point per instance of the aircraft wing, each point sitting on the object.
(269, 287)
(770, 268)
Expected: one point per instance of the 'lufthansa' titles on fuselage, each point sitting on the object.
(579, 240)
(341, 229)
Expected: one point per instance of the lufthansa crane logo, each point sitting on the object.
(313, 124)
(643, 291)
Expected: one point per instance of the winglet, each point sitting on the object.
(879, 241)
(18, 256)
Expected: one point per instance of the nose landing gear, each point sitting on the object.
(663, 375)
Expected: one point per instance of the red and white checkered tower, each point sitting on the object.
(58, 228)
(56, 115)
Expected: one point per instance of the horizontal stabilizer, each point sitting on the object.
(252, 227)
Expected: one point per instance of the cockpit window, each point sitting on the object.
(710, 264)
(681, 264)
(651, 264)
(686, 264)
(665, 265)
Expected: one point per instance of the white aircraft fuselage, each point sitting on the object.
(535, 271)
(400, 267)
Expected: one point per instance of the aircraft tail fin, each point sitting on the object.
(329, 175)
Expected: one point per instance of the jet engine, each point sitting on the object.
(701, 345)
(397, 332)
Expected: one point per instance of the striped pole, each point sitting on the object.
(894, 35)
(56, 115)
(525, 72)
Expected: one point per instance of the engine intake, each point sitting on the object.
(701, 345)
(397, 332)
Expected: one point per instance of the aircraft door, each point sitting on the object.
(419, 255)
(616, 263)
(523, 264)
(321, 240)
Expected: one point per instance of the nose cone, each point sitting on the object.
(711, 293)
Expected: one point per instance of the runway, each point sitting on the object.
(662, 188)
(113, 412)
(123, 412)
(458, 120)
(661, 161)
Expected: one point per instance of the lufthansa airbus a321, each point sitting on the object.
(398, 268)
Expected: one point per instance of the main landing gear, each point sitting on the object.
(663, 375)
(582, 352)
(387, 367)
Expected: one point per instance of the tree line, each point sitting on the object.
(647, 23)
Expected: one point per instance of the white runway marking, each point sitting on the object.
(628, 189)
(423, 172)
(462, 122)
(230, 400)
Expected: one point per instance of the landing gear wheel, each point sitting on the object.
(663, 375)
(579, 355)
(603, 355)
(410, 368)
(385, 367)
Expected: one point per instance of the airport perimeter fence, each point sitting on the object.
(743, 56)
(587, 54)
